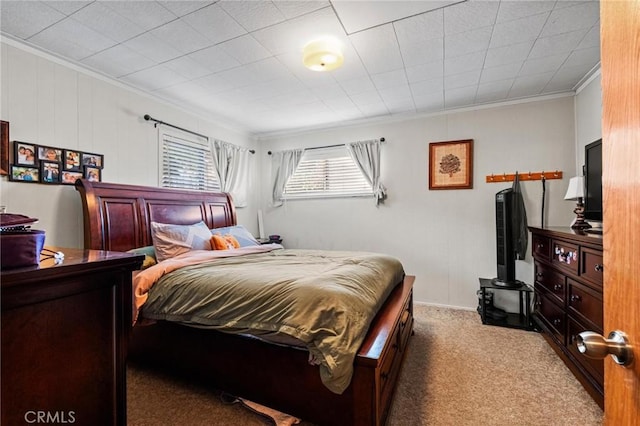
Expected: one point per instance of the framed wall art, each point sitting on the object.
(93, 174)
(24, 174)
(4, 148)
(69, 178)
(47, 153)
(72, 160)
(49, 172)
(24, 153)
(92, 160)
(451, 164)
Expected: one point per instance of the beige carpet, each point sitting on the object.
(457, 372)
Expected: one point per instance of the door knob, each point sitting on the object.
(594, 345)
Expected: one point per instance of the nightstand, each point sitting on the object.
(65, 330)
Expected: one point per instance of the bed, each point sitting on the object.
(118, 217)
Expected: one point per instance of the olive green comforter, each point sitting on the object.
(326, 299)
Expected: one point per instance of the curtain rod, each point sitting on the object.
(326, 146)
(149, 118)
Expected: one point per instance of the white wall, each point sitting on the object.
(49, 102)
(445, 238)
(588, 101)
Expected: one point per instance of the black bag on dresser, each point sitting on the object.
(19, 244)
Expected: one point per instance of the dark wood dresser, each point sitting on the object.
(65, 329)
(568, 289)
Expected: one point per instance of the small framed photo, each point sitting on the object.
(69, 178)
(49, 171)
(71, 160)
(92, 160)
(24, 174)
(47, 153)
(24, 153)
(92, 174)
(451, 165)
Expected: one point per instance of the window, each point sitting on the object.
(187, 163)
(327, 172)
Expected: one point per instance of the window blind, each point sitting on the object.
(327, 172)
(187, 164)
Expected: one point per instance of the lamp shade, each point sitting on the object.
(576, 188)
(323, 54)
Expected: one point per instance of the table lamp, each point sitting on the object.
(576, 192)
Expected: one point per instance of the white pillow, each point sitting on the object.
(171, 240)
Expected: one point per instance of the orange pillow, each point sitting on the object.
(224, 242)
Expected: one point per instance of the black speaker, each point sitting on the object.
(506, 257)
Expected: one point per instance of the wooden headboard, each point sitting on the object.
(118, 217)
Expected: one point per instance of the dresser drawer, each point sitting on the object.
(552, 315)
(595, 367)
(591, 266)
(565, 256)
(406, 325)
(586, 303)
(390, 365)
(541, 247)
(551, 280)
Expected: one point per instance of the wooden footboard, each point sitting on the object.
(281, 377)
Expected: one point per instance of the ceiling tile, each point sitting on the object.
(152, 47)
(378, 49)
(510, 10)
(529, 85)
(592, 39)
(419, 28)
(72, 39)
(371, 97)
(186, 91)
(461, 80)
(433, 102)
(501, 72)
(584, 58)
(66, 7)
(23, 19)
(357, 85)
(118, 60)
(187, 67)
(381, 12)
(215, 59)
(294, 8)
(145, 14)
(493, 91)
(154, 78)
(459, 97)
(107, 22)
(389, 79)
(583, 15)
(328, 90)
(460, 64)
(507, 54)
(467, 42)
(566, 78)
(245, 49)
(556, 44)
(469, 15)
(292, 35)
(181, 36)
(414, 54)
(214, 23)
(425, 72)
(253, 15)
(395, 94)
(542, 65)
(518, 30)
(184, 7)
(427, 88)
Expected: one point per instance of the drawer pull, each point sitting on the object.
(384, 376)
(557, 321)
(557, 287)
(540, 245)
(539, 274)
(599, 267)
(575, 298)
(404, 319)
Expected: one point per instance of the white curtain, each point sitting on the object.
(232, 165)
(283, 164)
(366, 155)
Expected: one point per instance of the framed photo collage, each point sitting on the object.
(50, 165)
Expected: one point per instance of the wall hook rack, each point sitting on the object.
(510, 177)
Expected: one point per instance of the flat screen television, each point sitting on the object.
(592, 171)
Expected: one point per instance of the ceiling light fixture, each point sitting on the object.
(323, 54)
